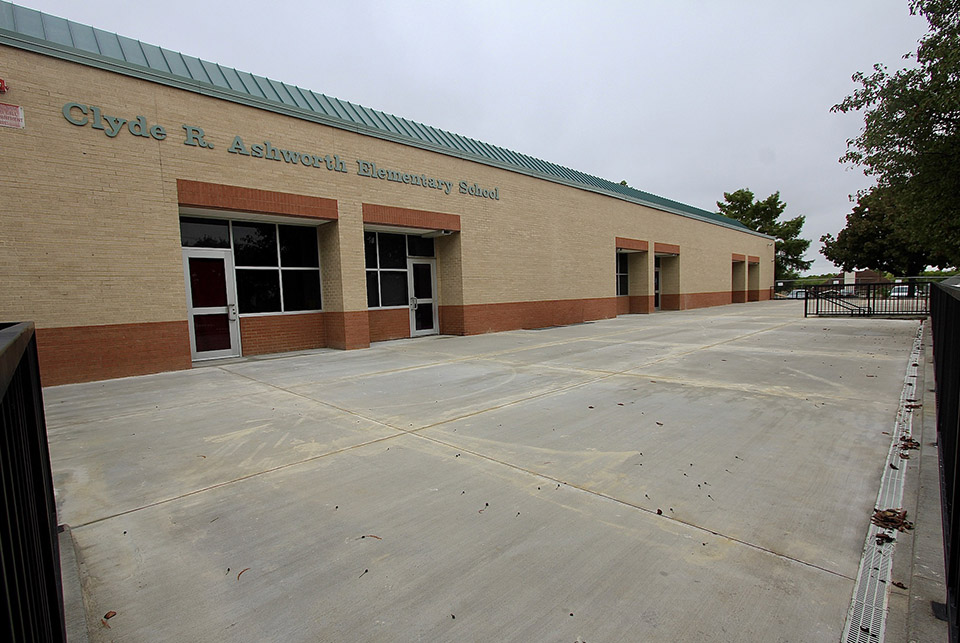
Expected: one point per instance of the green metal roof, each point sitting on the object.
(40, 32)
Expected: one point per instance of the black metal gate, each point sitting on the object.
(29, 546)
(868, 300)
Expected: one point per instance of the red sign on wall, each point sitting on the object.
(11, 116)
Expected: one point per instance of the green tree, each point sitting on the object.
(878, 236)
(911, 136)
(763, 216)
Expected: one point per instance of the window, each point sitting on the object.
(386, 255)
(622, 282)
(204, 233)
(277, 267)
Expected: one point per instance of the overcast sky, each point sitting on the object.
(685, 99)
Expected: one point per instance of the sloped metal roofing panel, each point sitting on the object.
(132, 52)
(214, 74)
(29, 22)
(108, 44)
(21, 25)
(175, 62)
(57, 30)
(6, 17)
(83, 37)
(155, 57)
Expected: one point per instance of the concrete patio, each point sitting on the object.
(683, 476)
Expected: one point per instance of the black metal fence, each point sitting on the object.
(29, 545)
(945, 322)
(911, 299)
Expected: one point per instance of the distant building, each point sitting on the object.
(870, 277)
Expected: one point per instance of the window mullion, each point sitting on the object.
(283, 303)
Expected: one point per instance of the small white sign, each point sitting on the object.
(11, 116)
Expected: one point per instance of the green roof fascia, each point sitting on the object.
(220, 81)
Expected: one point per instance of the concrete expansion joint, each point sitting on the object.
(625, 503)
(227, 483)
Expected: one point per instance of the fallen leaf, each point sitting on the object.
(241, 572)
(109, 615)
(909, 443)
(892, 519)
(897, 583)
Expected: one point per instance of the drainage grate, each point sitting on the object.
(867, 616)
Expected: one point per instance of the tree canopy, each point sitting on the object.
(910, 141)
(763, 216)
(878, 236)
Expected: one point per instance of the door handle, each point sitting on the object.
(413, 303)
(231, 312)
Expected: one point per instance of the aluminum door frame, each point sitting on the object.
(230, 309)
(415, 302)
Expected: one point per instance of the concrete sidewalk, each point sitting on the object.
(697, 475)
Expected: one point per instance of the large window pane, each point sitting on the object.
(419, 246)
(370, 249)
(298, 247)
(373, 289)
(254, 244)
(301, 290)
(258, 291)
(204, 233)
(622, 262)
(393, 288)
(393, 250)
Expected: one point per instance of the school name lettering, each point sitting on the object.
(83, 115)
(266, 150)
(370, 169)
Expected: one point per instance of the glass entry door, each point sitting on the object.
(422, 286)
(211, 303)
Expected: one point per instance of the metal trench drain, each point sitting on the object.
(866, 619)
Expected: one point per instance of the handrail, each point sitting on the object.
(945, 324)
(29, 539)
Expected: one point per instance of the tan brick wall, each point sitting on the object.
(91, 232)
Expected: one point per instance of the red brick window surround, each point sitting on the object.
(624, 243)
(215, 196)
(667, 248)
(409, 218)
